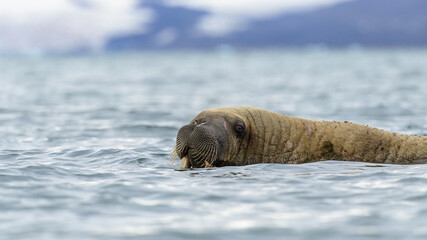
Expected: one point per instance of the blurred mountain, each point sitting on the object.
(363, 22)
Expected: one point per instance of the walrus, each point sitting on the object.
(236, 136)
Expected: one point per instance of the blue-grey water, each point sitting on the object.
(85, 146)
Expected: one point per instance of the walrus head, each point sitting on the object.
(211, 139)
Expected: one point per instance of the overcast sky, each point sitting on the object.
(69, 25)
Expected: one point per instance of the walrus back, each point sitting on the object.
(277, 138)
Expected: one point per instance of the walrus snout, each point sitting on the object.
(181, 147)
(198, 143)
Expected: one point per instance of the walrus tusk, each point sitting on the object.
(184, 163)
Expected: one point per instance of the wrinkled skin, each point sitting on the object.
(247, 135)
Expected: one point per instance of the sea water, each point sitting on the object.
(85, 145)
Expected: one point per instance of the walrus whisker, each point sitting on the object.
(212, 154)
(204, 156)
(208, 156)
(174, 156)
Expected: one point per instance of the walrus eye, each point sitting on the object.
(239, 128)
